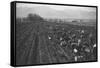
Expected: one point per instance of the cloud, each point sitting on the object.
(56, 11)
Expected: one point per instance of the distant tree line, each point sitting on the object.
(31, 17)
(34, 17)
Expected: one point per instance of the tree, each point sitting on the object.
(34, 17)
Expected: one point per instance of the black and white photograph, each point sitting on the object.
(54, 34)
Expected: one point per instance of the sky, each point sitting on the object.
(56, 11)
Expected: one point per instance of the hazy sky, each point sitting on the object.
(56, 11)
